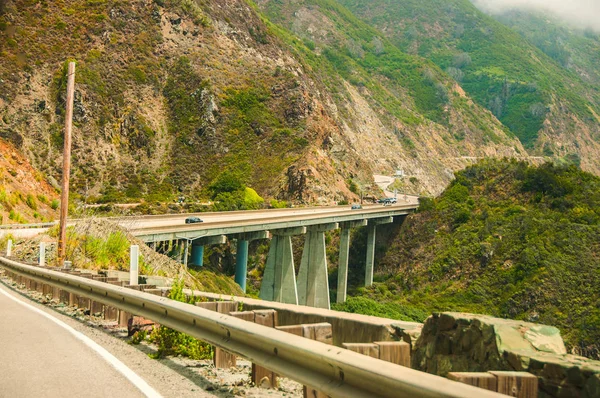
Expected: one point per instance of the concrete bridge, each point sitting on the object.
(311, 287)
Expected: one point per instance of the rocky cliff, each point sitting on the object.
(170, 94)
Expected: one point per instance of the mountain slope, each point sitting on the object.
(173, 94)
(24, 195)
(170, 95)
(546, 106)
(398, 110)
(576, 50)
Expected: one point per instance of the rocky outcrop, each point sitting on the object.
(458, 342)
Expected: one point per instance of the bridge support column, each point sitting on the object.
(342, 286)
(241, 256)
(279, 278)
(197, 255)
(371, 229)
(313, 283)
(198, 247)
(241, 263)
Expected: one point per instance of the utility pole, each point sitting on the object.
(64, 196)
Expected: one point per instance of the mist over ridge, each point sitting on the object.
(578, 13)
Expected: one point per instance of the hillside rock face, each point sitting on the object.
(458, 342)
(170, 94)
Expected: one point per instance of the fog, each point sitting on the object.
(579, 13)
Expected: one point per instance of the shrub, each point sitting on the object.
(55, 203)
(172, 342)
(31, 202)
(16, 217)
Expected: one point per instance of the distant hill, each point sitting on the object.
(575, 49)
(553, 110)
(504, 239)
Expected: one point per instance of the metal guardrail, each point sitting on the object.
(335, 371)
(21, 226)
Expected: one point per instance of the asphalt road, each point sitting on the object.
(41, 358)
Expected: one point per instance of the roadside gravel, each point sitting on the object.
(170, 376)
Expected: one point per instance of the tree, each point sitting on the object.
(377, 46)
(461, 60)
(455, 73)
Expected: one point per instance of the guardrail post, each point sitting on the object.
(397, 352)
(221, 359)
(477, 379)
(263, 377)
(9, 248)
(134, 256)
(516, 384)
(313, 282)
(321, 332)
(369, 349)
(42, 259)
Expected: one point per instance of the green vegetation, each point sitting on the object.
(229, 193)
(31, 202)
(89, 250)
(570, 48)
(392, 310)
(505, 239)
(359, 54)
(16, 217)
(172, 342)
(496, 67)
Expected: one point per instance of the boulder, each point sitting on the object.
(459, 342)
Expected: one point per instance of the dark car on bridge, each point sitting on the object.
(193, 220)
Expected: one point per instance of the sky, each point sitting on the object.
(579, 13)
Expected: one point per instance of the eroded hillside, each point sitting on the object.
(173, 93)
(24, 194)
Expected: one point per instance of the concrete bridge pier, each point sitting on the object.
(371, 232)
(198, 247)
(279, 278)
(313, 283)
(241, 256)
(342, 286)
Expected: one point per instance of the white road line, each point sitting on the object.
(136, 380)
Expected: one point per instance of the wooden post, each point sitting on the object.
(369, 349)
(517, 384)
(397, 352)
(514, 384)
(263, 377)
(221, 359)
(64, 196)
(315, 331)
(477, 379)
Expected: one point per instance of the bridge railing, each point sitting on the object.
(335, 371)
